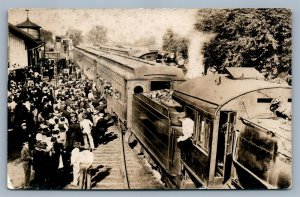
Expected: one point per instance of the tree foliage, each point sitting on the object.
(98, 34)
(247, 38)
(47, 36)
(75, 35)
(173, 42)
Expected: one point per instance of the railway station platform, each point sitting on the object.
(108, 170)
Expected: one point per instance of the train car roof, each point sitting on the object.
(159, 70)
(114, 48)
(138, 69)
(209, 95)
(142, 53)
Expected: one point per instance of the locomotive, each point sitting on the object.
(238, 140)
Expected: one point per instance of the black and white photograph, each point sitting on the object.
(149, 99)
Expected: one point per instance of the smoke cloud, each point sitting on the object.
(195, 66)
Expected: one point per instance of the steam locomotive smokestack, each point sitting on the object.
(195, 66)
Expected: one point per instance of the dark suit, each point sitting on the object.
(26, 158)
(99, 131)
(74, 134)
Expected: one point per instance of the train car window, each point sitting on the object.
(204, 130)
(191, 113)
(159, 85)
(200, 135)
(138, 89)
(269, 100)
(264, 100)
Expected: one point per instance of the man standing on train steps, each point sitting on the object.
(187, 129)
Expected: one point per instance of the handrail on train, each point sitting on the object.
(92, 53)
(125, 56)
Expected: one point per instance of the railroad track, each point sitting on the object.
(117, 166)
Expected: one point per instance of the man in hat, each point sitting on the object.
(75, 162)
(90, 95)
(27, 162)
(24, 130)
(74, 133)
(99, 127)
(63, 121)
(80, 114)
(62, 134)
(86, 159)
(66, 111)
(56, 113)
(86, 127)
(51, 70)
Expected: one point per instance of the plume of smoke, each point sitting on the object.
(195, 66)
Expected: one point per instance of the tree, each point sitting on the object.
(98, 34)
(247, 38)
(172, 42)
(75, 35)
(47, 36)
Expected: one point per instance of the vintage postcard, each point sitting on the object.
(108, 99)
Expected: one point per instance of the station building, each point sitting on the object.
(24, 44)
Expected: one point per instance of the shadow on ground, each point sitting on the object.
(98, 175)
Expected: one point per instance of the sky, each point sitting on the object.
(122, 25)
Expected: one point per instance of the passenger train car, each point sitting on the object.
(113, 49)
(64, 46)
(126, 76)
(237, 141)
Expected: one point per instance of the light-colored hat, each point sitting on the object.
(101, 115)
(57, 113)
(95, 112)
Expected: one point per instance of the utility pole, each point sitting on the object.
(44, 48)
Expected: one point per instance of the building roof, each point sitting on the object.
(28, 24)
(30, 40)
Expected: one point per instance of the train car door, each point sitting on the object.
(224, 149)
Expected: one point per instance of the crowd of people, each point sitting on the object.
(59, 124)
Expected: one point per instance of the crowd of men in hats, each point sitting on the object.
(59, 126)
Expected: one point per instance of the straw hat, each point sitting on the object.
(57, 113)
